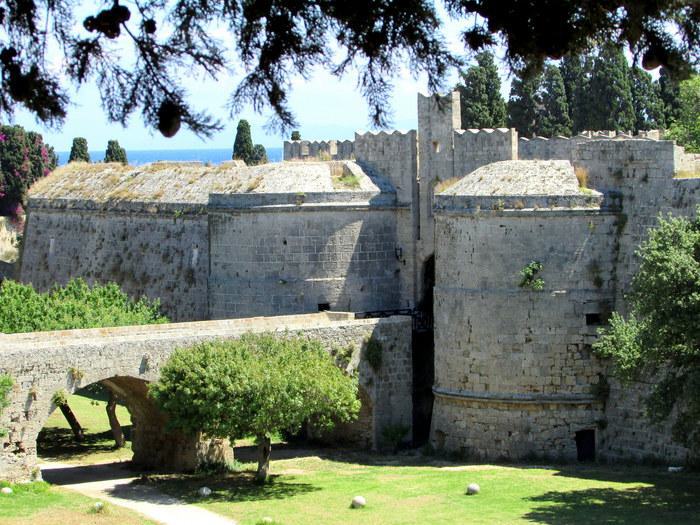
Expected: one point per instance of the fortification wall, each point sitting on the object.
(514, 375)
(640, 176)
(477, 147)
(158, 252)
(293, 258)
(318, 149)
(130, 357)
(545, 148)
(395, 157)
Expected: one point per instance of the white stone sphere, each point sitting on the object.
(472, 489)
(98, 506)
(358, 502)
(204, 492)
(6, 490)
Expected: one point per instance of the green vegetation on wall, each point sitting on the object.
(258, 385)
(75, 305)
(529, 276)
(660, 339)
(6, 384)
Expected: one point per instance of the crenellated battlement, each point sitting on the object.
(318, 150)
(561, 147)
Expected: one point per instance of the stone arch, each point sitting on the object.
(154, 444)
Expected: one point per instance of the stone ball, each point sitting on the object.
(204, 492)
(98, 506)
(358, 502)
(6, 490)
(472, 489)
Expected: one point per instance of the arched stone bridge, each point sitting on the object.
(125, 359)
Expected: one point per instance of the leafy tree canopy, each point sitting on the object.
(257, 385)
(79, 150)
(273, 41)
(482, 105)
(661, 336)
(24, 158)
(76, 305)
(686, 128)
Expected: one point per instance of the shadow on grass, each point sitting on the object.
(59, 443)
(229, 488)
(655, 504)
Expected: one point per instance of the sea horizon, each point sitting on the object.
(204, 155)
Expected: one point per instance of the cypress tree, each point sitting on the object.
(79, 151)
(669, 92)
(482, 105)
(243, 144)
(575, 72)
(554, 117)
(259, 155)
(611, 91)
(646, 100)
(115, 153)
(524, 105)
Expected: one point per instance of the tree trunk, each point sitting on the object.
(72, 421)
(113, 421)
(264, 449)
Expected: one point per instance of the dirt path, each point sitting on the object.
(113, 483)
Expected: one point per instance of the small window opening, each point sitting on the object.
(593, 319)
(324, 307)
(585, 445)
(436, 146)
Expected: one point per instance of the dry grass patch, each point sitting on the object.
(447, 183)
(686, 174)
(342, 176)
(581, 176)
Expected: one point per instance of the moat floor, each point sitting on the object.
(315, 486)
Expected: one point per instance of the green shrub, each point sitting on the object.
(75, 305)
(60, 398)
(24, 158)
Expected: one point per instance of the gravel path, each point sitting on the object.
(113, 483)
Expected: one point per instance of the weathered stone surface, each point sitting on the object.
(126, 359)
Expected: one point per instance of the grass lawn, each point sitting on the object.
(56, 439)
(315, 487)
(41, 504)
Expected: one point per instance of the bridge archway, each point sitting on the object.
(154, 445)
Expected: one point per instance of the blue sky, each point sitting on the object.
(326, 108)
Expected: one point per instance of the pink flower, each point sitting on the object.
(2, 137)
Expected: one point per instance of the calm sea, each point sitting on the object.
(136, 157)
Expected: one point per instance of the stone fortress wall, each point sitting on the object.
(514, 371)
(161, 252)
(125, 359)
